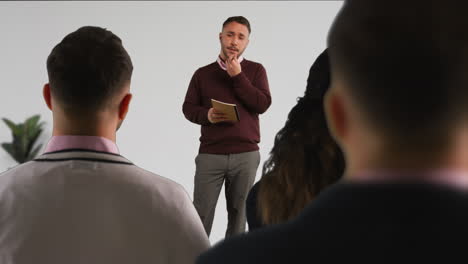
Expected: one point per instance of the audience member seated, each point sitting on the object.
(398, 108)
(82, 202)
(304, 160)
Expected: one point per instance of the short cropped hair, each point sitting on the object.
(239, 19)
(404, 63)
(87, 69)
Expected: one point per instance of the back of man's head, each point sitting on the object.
(87, 69)
(405, 65)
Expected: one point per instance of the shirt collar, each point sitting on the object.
(222, 64)
(57, 143)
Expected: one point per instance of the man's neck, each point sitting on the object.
(450, 177)
(71, 132)
(84, 130)
(101, 126)
(406, 166)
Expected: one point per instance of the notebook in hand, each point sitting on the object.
(229, 109)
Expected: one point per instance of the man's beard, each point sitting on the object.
(225, 52)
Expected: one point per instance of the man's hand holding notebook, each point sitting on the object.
(222, 112)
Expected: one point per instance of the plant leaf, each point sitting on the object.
(39, 125)
(8, 147)
(13, 127)
(30, 124)
(25, 136)
(33, 131)
(11, 149)
(33, 153)
(32, 121)
(33, 138)
(21, 143)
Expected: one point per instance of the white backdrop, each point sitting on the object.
(167, 41)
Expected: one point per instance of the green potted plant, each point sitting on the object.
(25, 136)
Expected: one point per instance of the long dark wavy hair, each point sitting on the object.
(305, 159)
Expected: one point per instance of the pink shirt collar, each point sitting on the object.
(222, 64)
(458, 179)
(57, 143)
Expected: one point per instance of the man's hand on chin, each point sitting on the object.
(233, 66)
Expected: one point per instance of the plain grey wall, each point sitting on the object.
(167, 41)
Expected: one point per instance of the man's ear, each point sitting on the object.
(220, 34)
(124, 105)
(47, 95)
(336, 115)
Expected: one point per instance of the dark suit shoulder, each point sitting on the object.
(349, 217)
(265, 245)
(387, 213)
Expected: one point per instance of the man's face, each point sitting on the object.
(234, 39)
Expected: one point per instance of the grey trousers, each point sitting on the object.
(238, 170)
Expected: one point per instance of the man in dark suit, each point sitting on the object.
(398, 107)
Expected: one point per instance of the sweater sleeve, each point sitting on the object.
(255, 95)
(192, 107)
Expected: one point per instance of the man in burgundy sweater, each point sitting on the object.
(228, 150)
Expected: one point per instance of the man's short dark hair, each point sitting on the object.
(239, 19)
(404, 63)
(87, 69)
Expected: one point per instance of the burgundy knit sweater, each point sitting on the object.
(248, 90)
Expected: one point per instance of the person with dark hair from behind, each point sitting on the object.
(81, 201)
(398, 108)
(304, 160)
